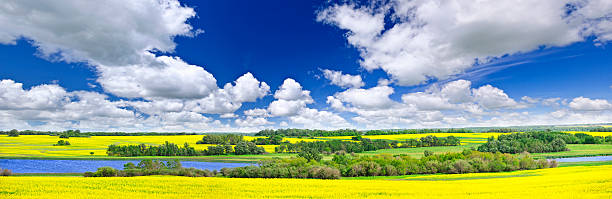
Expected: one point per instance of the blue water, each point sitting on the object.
(80, 166)
(585, 159)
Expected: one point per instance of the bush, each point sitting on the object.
(105, 172)
(88, 174)
(427, 153)
(5, 172)
(13, 133)
(62, 143)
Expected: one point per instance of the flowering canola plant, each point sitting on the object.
(565, 182)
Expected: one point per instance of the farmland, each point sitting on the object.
(41, 146)
(563, 182)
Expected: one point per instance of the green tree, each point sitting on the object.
(13, 133)
(311, 154)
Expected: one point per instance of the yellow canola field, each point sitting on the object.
(42, 145)
(603, 134)
(567, 182)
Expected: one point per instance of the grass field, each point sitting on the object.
(565, 182)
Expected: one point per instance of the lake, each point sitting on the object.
(585, 159)
(80, 166)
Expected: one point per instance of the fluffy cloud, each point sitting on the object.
(112, 33)
(165, 77)
(219, 101)
(290, 99)
(247, 89)
(41, 97)
(438, 39)
(587, 104)
(292, 90)
(312, 118)
(343, 80)
(492, 98)
(372, 98)
(252, 121)
(50, 105)
(451, 104)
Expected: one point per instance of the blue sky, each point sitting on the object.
(164, 65)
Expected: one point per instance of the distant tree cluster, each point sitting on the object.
(62, 143)
(171, 149)
(151, 167)
(272, 140)
(307, 132)
(333, 146)
(13, 133)
(231, 139)
(538, 142)
(284, 168)
(501, 130)
(365, 144)
(429, 141)
(388, 165)
(602, 129)
(583, 138)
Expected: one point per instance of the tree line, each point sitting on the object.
(171, 149)
(602, 129)
(388, 165)
(365, 144)
(351, 132)
(415, 131)
(231, 139)
(307, 132)
(151, 167)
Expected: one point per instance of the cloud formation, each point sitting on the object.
(428, 40)
(343, 80)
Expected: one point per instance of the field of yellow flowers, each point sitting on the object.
(564, 182)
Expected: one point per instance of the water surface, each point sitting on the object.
(80, 166)
(585, 159)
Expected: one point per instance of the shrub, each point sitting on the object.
(5, 172)
(427, 153)
(105, 172)
(13, 133)
(62, 143)
(88, 174)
